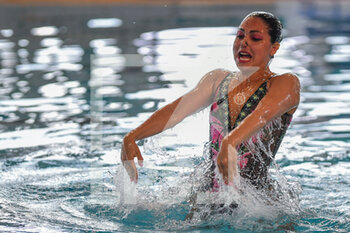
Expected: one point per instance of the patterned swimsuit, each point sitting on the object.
(255, 154)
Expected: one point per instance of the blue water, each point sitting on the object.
(72, 85)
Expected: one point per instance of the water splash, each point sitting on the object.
(177, 202)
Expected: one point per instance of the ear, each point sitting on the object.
(274, 49)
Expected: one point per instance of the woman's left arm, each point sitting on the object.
(283, 96)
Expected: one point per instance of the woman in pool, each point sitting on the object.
(250, 109)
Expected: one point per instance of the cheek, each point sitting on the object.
(235, 45)
(264, 51)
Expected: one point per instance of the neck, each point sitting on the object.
(254, 74)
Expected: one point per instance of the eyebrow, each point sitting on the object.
(252, 31)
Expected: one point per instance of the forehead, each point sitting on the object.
(253, 24)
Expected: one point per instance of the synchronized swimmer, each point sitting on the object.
(244, 109)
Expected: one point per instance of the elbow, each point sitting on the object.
(173, 120)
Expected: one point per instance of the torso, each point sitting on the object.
(239, 93)
(255, 154)
(248, 90)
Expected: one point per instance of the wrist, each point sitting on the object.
(229, 141)
(130, 136)
(224, 143)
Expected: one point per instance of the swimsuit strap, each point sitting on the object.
(221, 91)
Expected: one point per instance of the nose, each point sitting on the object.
(245, 41)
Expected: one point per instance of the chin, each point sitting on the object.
(247, 68)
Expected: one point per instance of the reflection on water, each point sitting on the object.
(45, 31)
(71, 87)
(104, 23)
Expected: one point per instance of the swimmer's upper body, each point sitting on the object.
(257, 40)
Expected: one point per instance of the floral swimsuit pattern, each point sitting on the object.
(254, 155)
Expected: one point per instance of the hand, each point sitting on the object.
(227, 162)
(129, 151)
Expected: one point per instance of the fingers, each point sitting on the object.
(222, 166)
(130, 168)
(227, 164)
(128, 153)
(232, 165)
(131, 152)
(139, 157)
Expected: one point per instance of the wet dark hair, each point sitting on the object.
(272, 22)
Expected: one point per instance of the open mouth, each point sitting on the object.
(244, 56)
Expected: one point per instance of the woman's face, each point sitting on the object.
(252, 46)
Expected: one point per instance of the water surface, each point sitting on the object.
(69, 93)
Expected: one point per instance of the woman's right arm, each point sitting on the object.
(168, 116)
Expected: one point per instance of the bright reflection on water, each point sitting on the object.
(104, 23)
(65, 106)
(45, 31)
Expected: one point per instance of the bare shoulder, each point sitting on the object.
(286, 83)
(285, 79)
(216, 76)
(287, 87)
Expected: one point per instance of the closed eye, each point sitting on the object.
(256, 38)
(240, 35)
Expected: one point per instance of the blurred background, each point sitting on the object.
(76, 76)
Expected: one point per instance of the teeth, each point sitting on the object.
(245, 59)
(244, 54)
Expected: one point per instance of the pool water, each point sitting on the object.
(73, 84)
